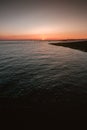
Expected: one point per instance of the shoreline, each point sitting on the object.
(78, 45)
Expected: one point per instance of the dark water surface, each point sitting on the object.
(41, 73)
(25, 66)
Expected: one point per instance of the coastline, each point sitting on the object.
(78, 45)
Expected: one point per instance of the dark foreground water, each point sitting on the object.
(40, 73)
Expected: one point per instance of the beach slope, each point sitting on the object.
(79, 45)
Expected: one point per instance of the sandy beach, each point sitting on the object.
(78, 45)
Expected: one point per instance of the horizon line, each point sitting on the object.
(43, 40)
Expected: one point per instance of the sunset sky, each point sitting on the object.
(43, 19)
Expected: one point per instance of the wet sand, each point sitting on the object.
(78, 45)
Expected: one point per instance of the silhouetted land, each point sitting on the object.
(79, 45)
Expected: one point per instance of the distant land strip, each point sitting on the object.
(78, 45)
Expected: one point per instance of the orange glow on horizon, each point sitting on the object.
(44, 36)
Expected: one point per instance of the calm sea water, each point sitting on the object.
(51, 72)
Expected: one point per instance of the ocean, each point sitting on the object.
(41, 72)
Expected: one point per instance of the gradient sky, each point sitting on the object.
(43, 19)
